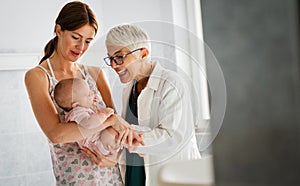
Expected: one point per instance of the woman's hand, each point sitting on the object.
(125, 133)
(98, 158)
(133, 146)
(120, 125)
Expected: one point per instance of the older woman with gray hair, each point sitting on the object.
(155, 98)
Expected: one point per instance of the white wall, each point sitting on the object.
(26, 26)
(116, 12)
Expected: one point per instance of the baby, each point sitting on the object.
(75, 98)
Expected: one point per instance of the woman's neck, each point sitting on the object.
(62, 68)
(141, 84)
(145, 71)
(60, 65)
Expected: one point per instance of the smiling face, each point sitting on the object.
(129, 70)
(73, 44)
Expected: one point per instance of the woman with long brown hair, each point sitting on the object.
(75, 28)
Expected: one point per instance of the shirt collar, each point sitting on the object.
(155, 76)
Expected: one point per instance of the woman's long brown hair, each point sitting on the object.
(72, 16)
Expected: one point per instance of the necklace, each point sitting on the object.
(133, 98)
(135, 92)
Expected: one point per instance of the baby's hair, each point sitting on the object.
(64, 92)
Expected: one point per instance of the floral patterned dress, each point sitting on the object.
(70, 165)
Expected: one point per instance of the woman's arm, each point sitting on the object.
(37, 85)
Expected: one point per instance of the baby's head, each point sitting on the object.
(72, 92)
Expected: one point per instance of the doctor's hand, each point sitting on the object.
(126, 134)
(133, 146)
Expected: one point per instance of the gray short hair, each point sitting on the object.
(127, 35)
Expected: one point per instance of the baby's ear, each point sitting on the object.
(75, 104)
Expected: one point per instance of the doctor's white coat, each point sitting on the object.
(164, 105)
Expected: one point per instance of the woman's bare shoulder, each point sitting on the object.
(95, 72)
(35, 75)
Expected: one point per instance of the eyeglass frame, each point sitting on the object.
(110, 58)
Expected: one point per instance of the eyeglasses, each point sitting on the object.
(118, 60)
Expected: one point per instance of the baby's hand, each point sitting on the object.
(107, 111)
(113, 157)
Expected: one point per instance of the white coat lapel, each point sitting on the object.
(145, 99)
